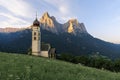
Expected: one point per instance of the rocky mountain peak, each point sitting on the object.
(70, 28)
(50, 23)
(46, 14)
(73, 21)
(46, 19)
(73, 26)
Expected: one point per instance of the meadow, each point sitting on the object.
(26, 67)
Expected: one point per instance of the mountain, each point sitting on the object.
(20, 42)
(51, 24)
(73, 26)
(15, 42)
(70, 37)
(9, 29)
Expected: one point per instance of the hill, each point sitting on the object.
(24, 67)
(20, 42)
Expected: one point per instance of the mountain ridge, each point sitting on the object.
(20, 42)
(72, 26)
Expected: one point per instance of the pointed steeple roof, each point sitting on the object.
(36, 22)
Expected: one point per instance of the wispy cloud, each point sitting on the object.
(16, 7)
(62, 5)
(12, 21)
(15, 13)
(22, 11)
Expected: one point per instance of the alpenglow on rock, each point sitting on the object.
(47, 20)
(50, 23)
(73, 26)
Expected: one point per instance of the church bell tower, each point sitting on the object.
(36, 38)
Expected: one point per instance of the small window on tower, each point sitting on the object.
(34, 33)
(34, 38)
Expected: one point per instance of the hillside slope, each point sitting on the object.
(64, 43)
(24, 67)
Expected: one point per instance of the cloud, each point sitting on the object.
(15, 13)
(12, 21)
(62, 6)
(23, 11)
(63, 9)
(17, 7)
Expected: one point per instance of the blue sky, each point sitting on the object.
(101, 17)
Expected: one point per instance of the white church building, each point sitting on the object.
(39, 49)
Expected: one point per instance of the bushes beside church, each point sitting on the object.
(96, 61)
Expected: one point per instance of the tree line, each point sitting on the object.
(96, 61)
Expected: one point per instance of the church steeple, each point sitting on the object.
(36, 22)
(36, 38)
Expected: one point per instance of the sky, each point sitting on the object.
(101, 17)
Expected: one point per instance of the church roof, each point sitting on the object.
(36, 22)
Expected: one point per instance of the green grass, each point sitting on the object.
(25, 67)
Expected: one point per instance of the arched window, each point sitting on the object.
(34, 38)
(34, 33)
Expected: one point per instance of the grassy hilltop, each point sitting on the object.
(24, 67)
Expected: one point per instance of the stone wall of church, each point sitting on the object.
(44, 54)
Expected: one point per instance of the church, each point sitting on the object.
(38, 48)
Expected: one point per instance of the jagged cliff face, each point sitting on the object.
(48, 23)
(71, 23)
(72, 26)
(47, 20)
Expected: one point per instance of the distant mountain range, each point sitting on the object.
(70, 37)
(10, 29)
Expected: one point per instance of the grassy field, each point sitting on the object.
(24, 67)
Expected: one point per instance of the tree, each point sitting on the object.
(117, 65)
(30, 51)
(67, 57)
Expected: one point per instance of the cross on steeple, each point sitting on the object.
(36, 14)
(36, 22)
